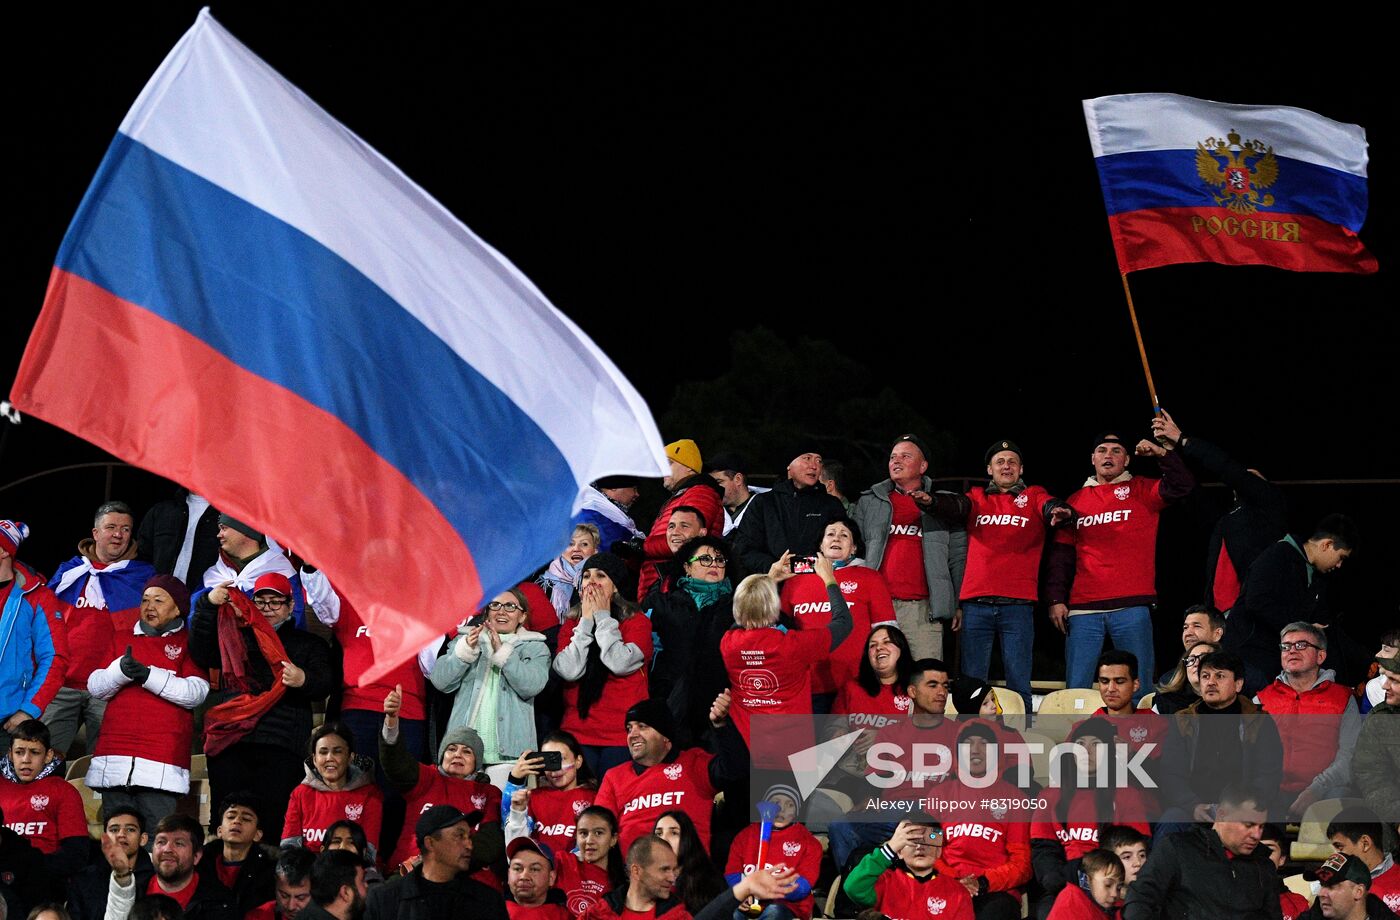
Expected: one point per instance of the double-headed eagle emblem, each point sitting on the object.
(1238, 170)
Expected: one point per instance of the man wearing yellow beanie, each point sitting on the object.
(690, 488)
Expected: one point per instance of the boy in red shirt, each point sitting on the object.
(899, 878)
(790, 845)
(39, 804)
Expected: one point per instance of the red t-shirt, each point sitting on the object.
(540, 912)
(184, 895)
(554, 812)
(917, 752)
(583, 884)
(311, 811)
(44, 812)
(1386, 886)
(770, 674)
(90, 631)
(1291, 904)
(1080, 832)
(1114, 534)
(865, 711)
(900, 896)
(793, 846)
(604, 726)
(903, 560)
(1005, 537)
(436, 788)
(1142, 727)
(638, 799)
(991, 838)
(868, 598)
(354, 637)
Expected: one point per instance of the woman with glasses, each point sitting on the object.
(691, 610)
(604, 649)
(1183, 687)
(271, 673)
(495, 667)
(868, 597)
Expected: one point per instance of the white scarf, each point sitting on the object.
(92, 591)
(269, 560)
(593, 500)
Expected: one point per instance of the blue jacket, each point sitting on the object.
(33, 645)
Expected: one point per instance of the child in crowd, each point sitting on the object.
(1099, 894)
(790, 845)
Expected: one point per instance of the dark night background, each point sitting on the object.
(887, 218)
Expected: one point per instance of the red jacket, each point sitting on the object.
(698, 491)
(1074, 903)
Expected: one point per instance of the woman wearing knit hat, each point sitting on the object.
(603, 654)
(455, 780)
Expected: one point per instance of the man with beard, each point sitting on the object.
(103, 584)
(439, 887)
(338, 888)
(124, 853)
(292, 887)
(176, 854)
(652, 870)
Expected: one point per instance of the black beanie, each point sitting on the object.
(617, 570)
(654, 713)
(968, 694)
(245, 529)
(1000, 446)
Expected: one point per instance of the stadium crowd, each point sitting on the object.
(608, 738)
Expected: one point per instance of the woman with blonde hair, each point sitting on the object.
(1183, 686)
(770, 663)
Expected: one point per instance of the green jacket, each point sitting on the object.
(860, 883)
(1375, 764)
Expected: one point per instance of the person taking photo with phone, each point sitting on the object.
(546, 791)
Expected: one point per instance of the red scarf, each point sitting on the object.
(229, 721)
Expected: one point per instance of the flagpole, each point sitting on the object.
(1142, 349)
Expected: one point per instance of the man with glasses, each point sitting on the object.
(253, 731)
(1318, 720)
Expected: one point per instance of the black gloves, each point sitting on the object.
(133, 669)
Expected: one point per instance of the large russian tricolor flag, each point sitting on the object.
(254, 303)
(1188, 180)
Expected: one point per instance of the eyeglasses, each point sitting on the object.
(1297, 646)
(1191, 660)
(269, 603)
(507, 606)
(707, 559)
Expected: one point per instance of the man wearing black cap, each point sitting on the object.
(439, 887)
(1007, 524)
(1211, 870)
(661, 778)
(916, 539)
(1102, 572)
(789, 518)
(606, 504)
(1344, 885)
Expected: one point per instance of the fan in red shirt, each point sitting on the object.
(337, 786)
(901, 878)
(652, 870)
(791, 845)
(1099, 892)
(770, 666)
(548, 811)
(1116, 677)
(530, 879)
(867, 596)
(38, 804)
(660, 778)
(879, 694)
(595, 869)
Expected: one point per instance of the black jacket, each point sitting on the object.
(252, 886)
(287, 724)
(402, 898)
(87, 893)
(1189, 877)
(1257, 518)
(688, 671)
(24, 882)
(1188, 761)
(1276, 592)
(162, 533)
(784, 518)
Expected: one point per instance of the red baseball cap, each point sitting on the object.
(273, 581)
